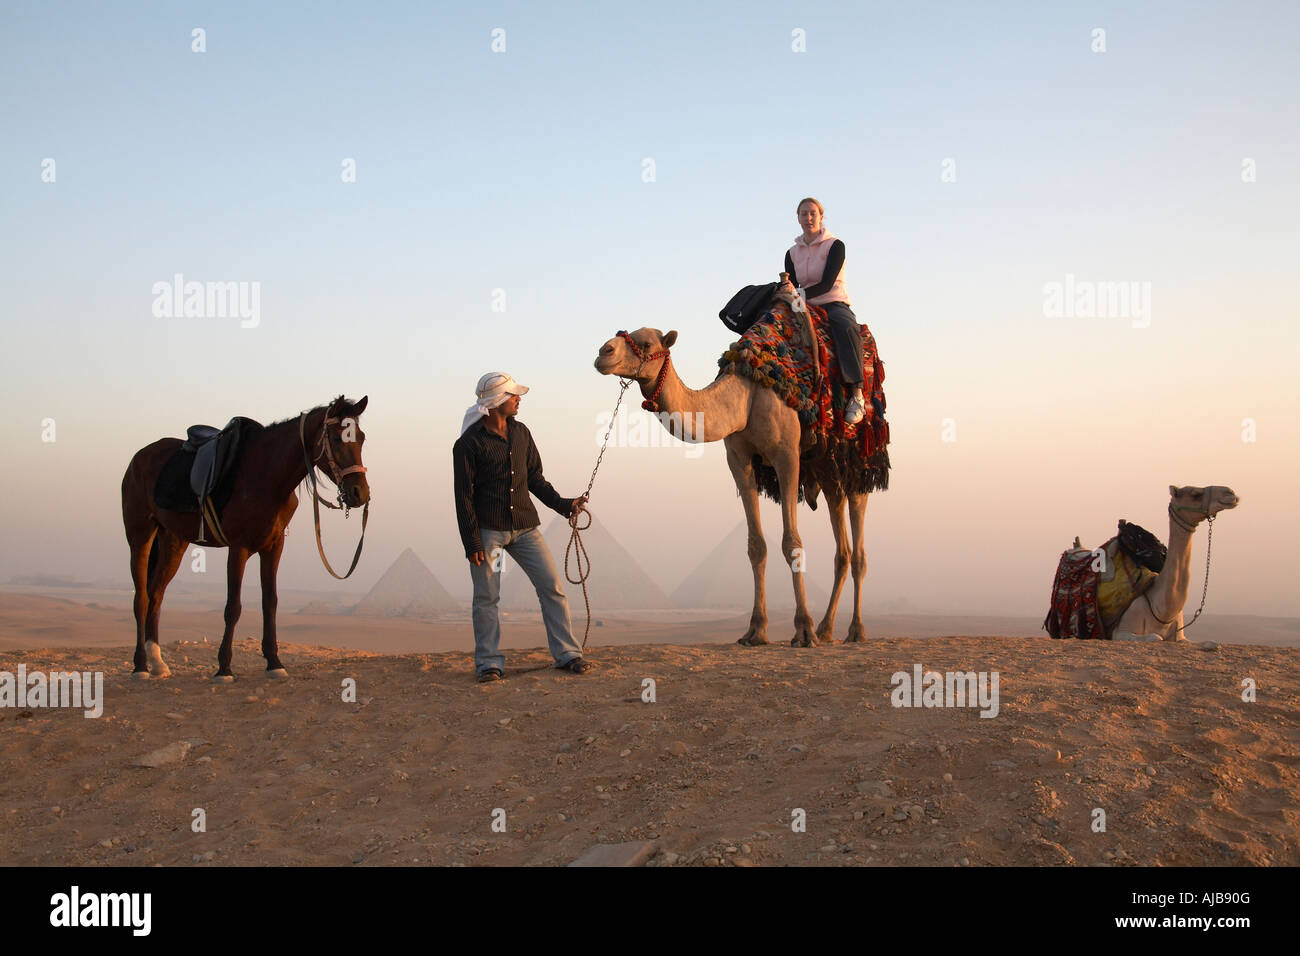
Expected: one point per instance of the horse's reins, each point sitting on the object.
(336, 475)
(1190, 529)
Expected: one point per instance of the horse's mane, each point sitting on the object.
(293, 419)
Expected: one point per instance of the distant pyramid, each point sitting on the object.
(616, 582)
(725, 579)
(407, 589)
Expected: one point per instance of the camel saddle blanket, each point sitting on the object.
(1092, 591)
(776, 353)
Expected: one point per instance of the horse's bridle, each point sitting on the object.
(650, 404)
(336, 475)
(323, 448)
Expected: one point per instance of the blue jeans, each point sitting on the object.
(528, 548)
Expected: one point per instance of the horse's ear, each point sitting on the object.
(670, 338)
(360, 406)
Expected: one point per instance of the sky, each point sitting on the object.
(529, 179)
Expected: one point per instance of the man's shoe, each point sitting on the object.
(577, 666)
(490, 675)
(855, 411)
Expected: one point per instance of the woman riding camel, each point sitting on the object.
(816, 264)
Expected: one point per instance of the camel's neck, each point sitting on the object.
(1169, 593)
(709, 414)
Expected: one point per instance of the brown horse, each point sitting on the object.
(272, 461)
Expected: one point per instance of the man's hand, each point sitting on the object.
(579, 506)
(477, 558)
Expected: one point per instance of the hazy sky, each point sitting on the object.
(519, 177)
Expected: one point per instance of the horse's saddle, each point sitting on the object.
(203, 469)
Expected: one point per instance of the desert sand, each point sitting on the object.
(413, 771)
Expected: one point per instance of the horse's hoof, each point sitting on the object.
(223, 678)
(140, 675)
(277, 673)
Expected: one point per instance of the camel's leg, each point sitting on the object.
(857, 511)
(269, 559)
(786, 462)
(235, 562)
(835, 505)
(740, 460)
(171, 551)
(141, 541)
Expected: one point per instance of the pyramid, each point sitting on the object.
(616, 582)
(407, 589)
(725, 579)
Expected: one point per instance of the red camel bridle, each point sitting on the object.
(650, 404)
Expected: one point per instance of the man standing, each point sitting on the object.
(496, 465)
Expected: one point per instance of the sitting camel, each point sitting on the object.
(1132, 588)
(1158, 614)
(750, 420)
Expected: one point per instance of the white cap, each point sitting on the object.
(498, 383)
(493, 389)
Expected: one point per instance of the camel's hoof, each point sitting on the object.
(161, 672)
(277, 673)
(223, 678)
(140, 675)
(748, 641)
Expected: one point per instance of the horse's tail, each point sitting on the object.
(153, 557)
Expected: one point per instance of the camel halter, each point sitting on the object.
(336, 475)
(650, 404)
(1189, 528)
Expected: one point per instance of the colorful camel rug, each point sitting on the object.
(1088, 602)
(774, 352)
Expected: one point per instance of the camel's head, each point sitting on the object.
(1194, 504)
(619, 357)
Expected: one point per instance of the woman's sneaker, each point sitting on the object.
(855, 411)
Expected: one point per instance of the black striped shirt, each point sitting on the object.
(493, 476)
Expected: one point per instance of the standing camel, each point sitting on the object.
(272, 461)
(752, 421)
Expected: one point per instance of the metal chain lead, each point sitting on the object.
(1205, 589)
(575, 538)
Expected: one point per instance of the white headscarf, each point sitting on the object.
(492, 389)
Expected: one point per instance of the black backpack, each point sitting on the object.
(1142, 546)
(746, 306)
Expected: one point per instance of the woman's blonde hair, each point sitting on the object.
(821, 210)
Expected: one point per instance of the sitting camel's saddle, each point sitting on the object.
(199, 478)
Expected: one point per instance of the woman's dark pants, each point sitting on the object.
(848, 341)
